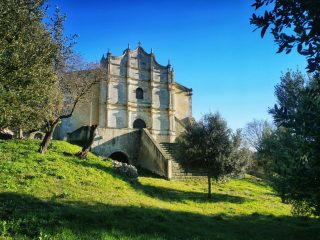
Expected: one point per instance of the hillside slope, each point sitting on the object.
(57, 196)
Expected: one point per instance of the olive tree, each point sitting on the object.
(210, 145)
(27, 75)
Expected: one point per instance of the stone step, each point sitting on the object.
(178, 172)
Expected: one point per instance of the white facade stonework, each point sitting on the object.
(137, 90)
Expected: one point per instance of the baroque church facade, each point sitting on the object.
(139, 108)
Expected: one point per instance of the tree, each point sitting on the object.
(83, 154)
(27, 76)
(293, 24)
(210, 145)
(241, 157)
(74, 84)
(286, 165)
(254, 131)
(74, 78)
(289, 93)
(296, 24)
(292, 152)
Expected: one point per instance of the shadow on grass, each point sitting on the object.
(174, 195)
(86, 163)
(146, 173)
(27, 216)
(165, 194)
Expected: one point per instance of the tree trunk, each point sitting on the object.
(209, 187)
(47, 137)
(86, 148)
(20, 133)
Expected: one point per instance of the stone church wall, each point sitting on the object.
(183, 105)
(113, 105)
(86, 113)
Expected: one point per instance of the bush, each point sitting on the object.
(124, 169)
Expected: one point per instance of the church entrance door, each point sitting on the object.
(139, 123)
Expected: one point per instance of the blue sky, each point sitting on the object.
(210, 44)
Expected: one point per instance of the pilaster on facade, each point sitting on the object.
(128, 86)
(151, 91)
(103, 93)
(171, 104)
(102, 103)
(172, 90)
(108, 88)
(160, 103)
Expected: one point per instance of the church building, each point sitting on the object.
(139, 108)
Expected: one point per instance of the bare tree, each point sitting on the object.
(74, 84)
(254, 131)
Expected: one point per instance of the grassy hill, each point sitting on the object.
(57, 196)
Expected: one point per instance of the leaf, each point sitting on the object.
(305, 52)
(281, 47)
(299, 48)
(264, 29)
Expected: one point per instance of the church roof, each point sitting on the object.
(139, 49)
(183, 88)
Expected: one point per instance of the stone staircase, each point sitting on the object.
(178, 172)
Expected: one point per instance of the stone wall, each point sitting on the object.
(113, 103)
(152, 157)
(86, 113)
(183, 103)
(114, 106)
(110, 140)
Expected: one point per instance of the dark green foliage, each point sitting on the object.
(291, 153)
(210, 145)
(207, 144)
(289, 93)
(295, 167)
(27, 76)
(293, 24)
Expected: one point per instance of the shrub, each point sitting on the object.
(124, 169)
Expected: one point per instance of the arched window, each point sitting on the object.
(138, 123)
(139, 93)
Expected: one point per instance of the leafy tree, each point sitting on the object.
(287, 165)
(293, 24)
(209, 145)
(291, 153)
(289, 93)
(27, 76)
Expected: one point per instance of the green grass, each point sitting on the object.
(57, 196)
